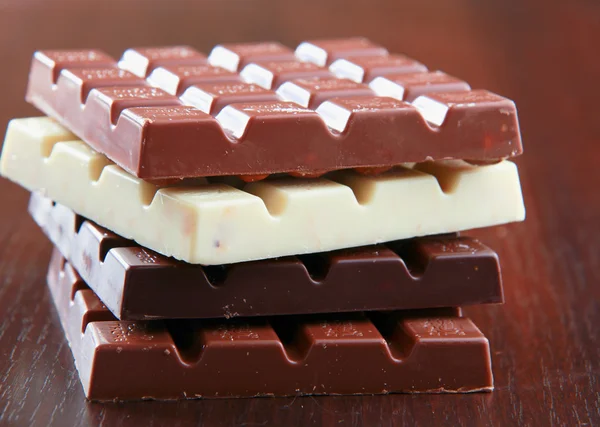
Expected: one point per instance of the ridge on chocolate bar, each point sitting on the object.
(257, 109)
(432, 351)
(136, 283)
(216, 221)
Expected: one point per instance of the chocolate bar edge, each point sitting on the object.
(92, 349)
(138, 156)
(77, 239)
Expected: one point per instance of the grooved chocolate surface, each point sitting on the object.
(173, 112)
(433, 351)
(136, 283)
(545, 344)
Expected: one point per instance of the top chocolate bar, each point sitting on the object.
(257, 109)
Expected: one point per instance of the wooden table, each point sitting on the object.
(545, 340)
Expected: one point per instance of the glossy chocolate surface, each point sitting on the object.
(429, 351)
(173, 112)
(136, 283)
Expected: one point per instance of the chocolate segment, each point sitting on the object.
(137, 283)
(365, 68)
(271, 75)
(324, 52)
(213, 97)
(176, 79)
(432, 351)
(235, 56)
(85, 80)
(142, 61)
(409, 86)
(114, 110)
(58, 60)
(312, 92)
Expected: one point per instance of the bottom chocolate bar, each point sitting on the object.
(431, 351)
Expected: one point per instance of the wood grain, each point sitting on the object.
(545, 339)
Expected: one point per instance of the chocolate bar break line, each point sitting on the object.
(212, 223)
(136, 283)
(164, 113)
(431, 351)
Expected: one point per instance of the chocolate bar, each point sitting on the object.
(210, 222)
(136, 283)
(257, 109)
(432, 351)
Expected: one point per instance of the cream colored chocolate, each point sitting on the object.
(215, 223)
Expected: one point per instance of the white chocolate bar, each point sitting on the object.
(214, 223)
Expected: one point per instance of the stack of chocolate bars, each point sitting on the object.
(264, 221)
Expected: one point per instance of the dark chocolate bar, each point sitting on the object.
(257, 109)
(432, 351)
(136, 283)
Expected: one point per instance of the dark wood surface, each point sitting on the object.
(545, 339)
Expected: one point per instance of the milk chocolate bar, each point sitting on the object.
(433, 351)
(257, 109)
(136, 283)
(211, 222)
